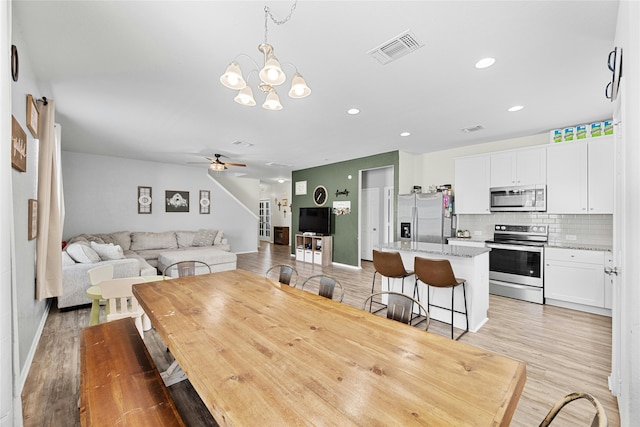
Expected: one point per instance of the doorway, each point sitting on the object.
(264, 231)
(376, 209)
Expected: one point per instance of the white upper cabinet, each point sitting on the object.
(472, 179)
(580, 177)
(527, 166)
(600, 157)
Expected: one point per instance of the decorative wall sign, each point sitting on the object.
(345, 192)
(18, 146)
(176, 201)
(205, 201)
(301, 188)
(144, 200)
(32, 232)
(341, 208)
(33, 116)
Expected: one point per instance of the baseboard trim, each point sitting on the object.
(34, 345)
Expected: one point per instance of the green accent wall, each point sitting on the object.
(334, 177)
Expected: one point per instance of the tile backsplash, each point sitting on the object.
(563, 229)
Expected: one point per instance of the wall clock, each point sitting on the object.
(319, 195)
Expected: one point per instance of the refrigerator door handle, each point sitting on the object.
(414, 222)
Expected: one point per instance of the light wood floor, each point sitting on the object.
(565, 351)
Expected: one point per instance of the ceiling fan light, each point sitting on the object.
(272, 73)
(272, 101)
(217, 167)
(232, 77)
(299, 88)
(245, 97)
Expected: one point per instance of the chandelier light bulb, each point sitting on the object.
(299, 88)
(245, 97)
(272, 73)
(232, 77)
(272, 102)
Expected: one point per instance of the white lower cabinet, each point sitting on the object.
(575, 278)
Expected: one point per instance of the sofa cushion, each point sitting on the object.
(185, 238)
(120, 238)
(107, 251)
(219, 237)
(66, 259)
(204, 237)
(147, 240)
(82, 253)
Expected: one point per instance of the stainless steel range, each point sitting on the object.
(516, 261)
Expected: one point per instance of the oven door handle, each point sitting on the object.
(522, 248)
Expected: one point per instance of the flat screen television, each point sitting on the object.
(315, 220)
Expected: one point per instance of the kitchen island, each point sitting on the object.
(470, 263)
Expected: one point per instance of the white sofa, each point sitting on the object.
(136, 254)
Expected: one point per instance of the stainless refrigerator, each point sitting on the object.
(425, 217)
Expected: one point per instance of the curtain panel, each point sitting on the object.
(48, 246)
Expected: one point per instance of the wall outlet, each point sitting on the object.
(570, 237)
(477, 233)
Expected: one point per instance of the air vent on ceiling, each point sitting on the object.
(244, 144)
(396, 48)
(472, 128)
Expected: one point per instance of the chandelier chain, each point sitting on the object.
(267, 13)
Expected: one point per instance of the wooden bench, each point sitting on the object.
(119, 383)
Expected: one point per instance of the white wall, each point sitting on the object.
(6, 323)
(101, 196)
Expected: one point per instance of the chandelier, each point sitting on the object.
(270, 74)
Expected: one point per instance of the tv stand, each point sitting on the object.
(314, 249)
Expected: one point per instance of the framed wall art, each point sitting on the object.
(32, 231)
(33, 116)
(144, 200)
(18, 146)
(176, 201)
(205, 201)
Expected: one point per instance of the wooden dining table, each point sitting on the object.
(261, 353)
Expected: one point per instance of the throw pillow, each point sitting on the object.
(185, 238)
(82, 253)
(107, 251)
(219, 237)
(66, 259)
(204, 238)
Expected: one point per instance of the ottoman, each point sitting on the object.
(217, 259)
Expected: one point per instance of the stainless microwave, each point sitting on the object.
(529, 198)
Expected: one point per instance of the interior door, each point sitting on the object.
(615, 274)
(264, 229)
(370, 222)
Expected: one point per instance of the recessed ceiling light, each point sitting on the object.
(405, 133)
(353, 111)
(485, 63)
(281, 181)
(515, 108)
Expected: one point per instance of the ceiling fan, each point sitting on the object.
(217, 165)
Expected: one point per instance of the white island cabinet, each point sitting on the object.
(470, 263)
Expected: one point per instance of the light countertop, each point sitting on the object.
(435, 248)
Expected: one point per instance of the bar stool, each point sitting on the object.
(438, 273)
(390, 265)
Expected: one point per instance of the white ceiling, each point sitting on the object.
(140, 79)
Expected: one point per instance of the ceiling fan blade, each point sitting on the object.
(198, 163)
(234, 164)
